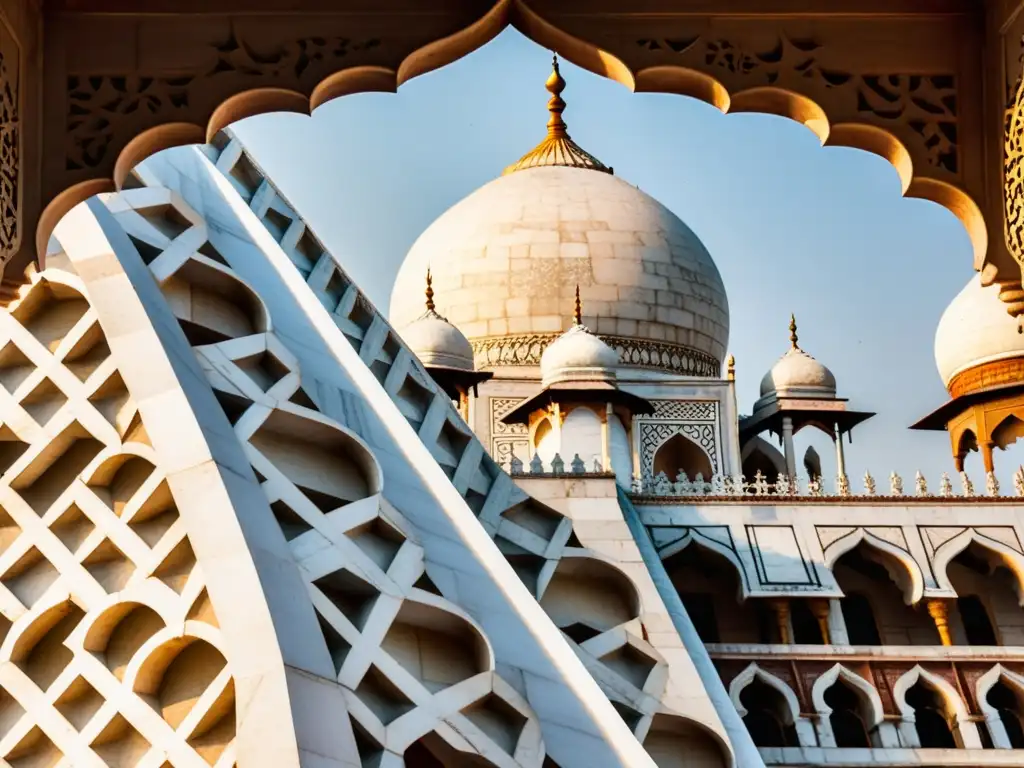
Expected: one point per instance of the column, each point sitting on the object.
(840, 458)
(939, 611)
(837, 623)
(820, 609)
(986, 456)
(606, 447)
(787, 444)
(781, 609)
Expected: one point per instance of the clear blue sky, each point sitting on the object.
(793, 227)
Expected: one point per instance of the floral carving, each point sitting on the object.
(507, 440)
(1013, 154)
(9, 149)
(97, 104)
(926, 104)
(526, 349)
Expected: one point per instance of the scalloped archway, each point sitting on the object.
(770, 67)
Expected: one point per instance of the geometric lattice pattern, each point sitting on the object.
(417, 672)
(115, 653)
(538, 542)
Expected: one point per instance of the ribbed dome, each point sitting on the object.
(975, 329)
(438, 343)
(797, 374)
(578, 355)
(506, 259)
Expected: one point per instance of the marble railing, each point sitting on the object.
(660, 485)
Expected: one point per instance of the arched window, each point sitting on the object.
(1007, 703)
(760, 456)
(847, 722)
(767, 716)
(806, 630)
(883, 580)
(861, 628)
(708, 583)
(977, 627)
(930, 718)
(679, 453)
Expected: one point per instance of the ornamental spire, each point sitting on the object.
(792, 331)
(430, 292)
(557, 149)
(577, 316)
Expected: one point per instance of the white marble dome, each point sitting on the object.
(438, 343)
(797, 374)
(578, 355)
(975, 329)
(506, 261)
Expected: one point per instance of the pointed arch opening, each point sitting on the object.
(988, 578)
(932, 718)
(876, 586)
(767, 715)
(680, 454)
(849, 725)
(1009, 431)
(709, 585)
(1007, 703)
(759, 455)
(852, 706)
(934, 710)
(1000, 695)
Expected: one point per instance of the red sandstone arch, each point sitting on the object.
(915, 182)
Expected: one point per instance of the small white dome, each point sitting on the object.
(578, 355)
(438, 343)
(797, 374)
(975, 329)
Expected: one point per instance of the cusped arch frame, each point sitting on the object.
(866, 692)
(993, 719)
(753, 672)
(1011, 558)
(518, 14)
(695, 538)
(988, 680)
(941, 686)
(912, 586)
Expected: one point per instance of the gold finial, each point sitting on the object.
(557, 149)
(730, 368)
(430, 291)
(577, 316)
(555, 85)
(792, 331)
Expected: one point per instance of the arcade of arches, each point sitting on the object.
(811, 700)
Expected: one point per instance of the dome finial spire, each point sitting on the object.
(792, 331)
(577, 316)
(430, 291)
(557, 149)
(555, 85)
